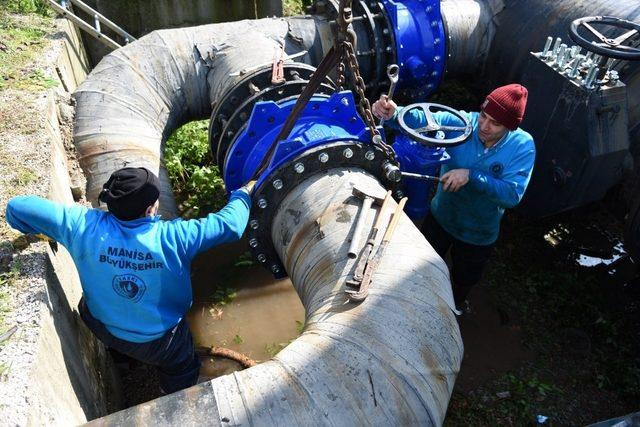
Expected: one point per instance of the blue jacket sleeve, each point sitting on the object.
(32, 214)
(507, 191)
(226, 225)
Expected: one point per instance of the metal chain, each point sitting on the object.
(346, 41)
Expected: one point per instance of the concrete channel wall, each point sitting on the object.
(60, 374)
(140, 17)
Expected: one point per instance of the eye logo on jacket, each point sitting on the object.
(129, 286)
(496, 168)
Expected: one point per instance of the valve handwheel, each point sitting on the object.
(426, 134)
(625, 46)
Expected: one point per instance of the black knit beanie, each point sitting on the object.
(129, 192)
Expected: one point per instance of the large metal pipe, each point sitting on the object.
(493, 39)
(390, 360)
(393, 357)
(139, 94)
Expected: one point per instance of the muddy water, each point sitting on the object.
(262, 318)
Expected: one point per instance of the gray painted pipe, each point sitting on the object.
(139, 94)
(390, 360)
(493, 38)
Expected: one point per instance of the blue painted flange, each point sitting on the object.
(420, 45)
(324, 120)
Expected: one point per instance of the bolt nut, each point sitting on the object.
(262, 203)
(298, 167)
(392, 172)
(253, 224)
(345, 102)
(262, 258)
(347, 153)
(277, 184)
(323, 157)
(275, 269)
(370, 155)
(253, 242)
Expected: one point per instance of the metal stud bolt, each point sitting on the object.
(275, 269)
(323, 157)
(254, 224)
(277, 184)
(262, 258)
(253, 242)
(370, 155)
(298, 167)
(347, 153)
(547, 46)
(262, 203)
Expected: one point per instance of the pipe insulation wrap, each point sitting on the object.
(470, 28)
(390, 360)
(394, 357)
(139, 94)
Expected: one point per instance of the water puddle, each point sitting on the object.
(261, 314)
(589, 246)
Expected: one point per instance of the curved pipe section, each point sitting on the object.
(390, 360)
(393, 357)
(139, 94)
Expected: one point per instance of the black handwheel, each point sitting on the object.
(603, 45)
(422, 135)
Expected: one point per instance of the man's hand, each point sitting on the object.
(454, 179)
(384, 108)
(249, 186)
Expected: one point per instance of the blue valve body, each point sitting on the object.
(420, 42)
(417, 158)
(324, 120)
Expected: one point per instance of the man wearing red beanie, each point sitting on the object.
(485, 175)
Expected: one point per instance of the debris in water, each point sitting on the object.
(503, 394)
(541, 419)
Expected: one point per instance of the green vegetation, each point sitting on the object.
(7, 281)
(197, 184)
(22, 41)
(295, 7)
(586, 366)
(275, 348)
(238, 339)
(26, 6)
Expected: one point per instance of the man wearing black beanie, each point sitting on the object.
(135, 268)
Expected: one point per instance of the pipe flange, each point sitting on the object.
(234, 108)
(268, 196)
(239, 119)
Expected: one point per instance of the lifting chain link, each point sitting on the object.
(346, 41)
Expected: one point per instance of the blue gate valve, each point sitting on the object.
(324, 120)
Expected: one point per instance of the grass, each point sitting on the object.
(197, 184)
(586, 365)
(7, 281)
(294, 7)
(23, 29)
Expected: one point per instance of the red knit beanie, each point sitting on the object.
(506, 105)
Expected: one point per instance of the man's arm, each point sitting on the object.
(226, 225)
(32, 214)
(508, 190)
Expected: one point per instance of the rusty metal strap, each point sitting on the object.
(327, 64)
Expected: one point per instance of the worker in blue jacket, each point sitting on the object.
(135, 268)
(485, 175)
